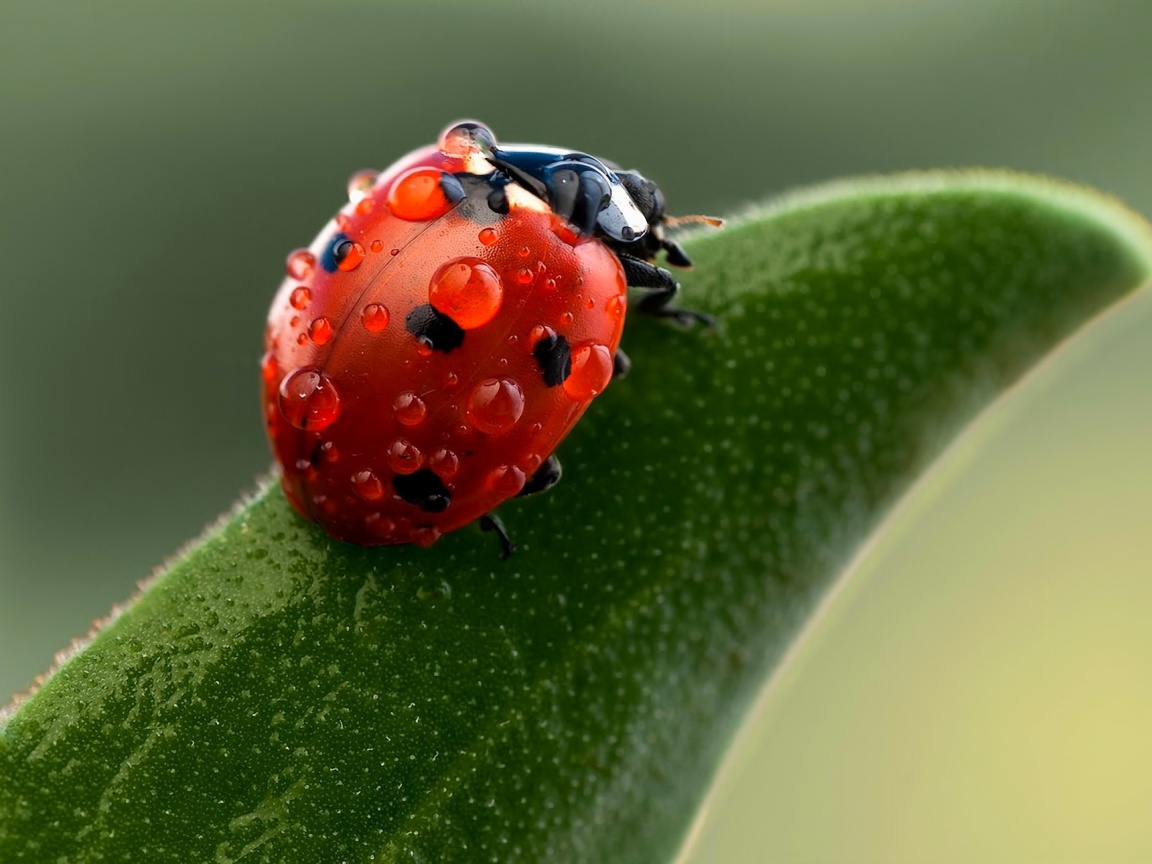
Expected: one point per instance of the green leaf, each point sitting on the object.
(276, 696)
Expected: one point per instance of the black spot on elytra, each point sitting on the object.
(434, 328)
(451, 187)
(554, 357)
(335, 251)
(423, 489)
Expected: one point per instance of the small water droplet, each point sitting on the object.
(374, 317)
(445, 463)
(591, 371)
(523, 251)
(367, 485)
(348, 255)
(531, 462)
(550, 284)
(328, 452)
(300, 297)
(426, 536)
(269, 368)
(360, 184)
(424, 347)
(343, 221)
(540, 331)
(302, 339)
(567, 317)
(495, 405)
(590, 303)
(417, 196)
(376, 245)
(320, 331)
(294, 321)
(468, 291)
(506, 480)
(365, 206)
(617, 305)
(488, 236)
(300, 265)
(379, 525)
(410, 409)
(524, 276)
(309, 400)
(451, 380)
(394, 252)
(513, 339)
(404, 457)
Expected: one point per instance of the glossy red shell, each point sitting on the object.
(353, 400)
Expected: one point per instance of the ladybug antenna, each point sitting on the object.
(675, 221)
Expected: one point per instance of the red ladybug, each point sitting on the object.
(431, 348)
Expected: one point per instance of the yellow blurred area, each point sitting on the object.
(980, 689)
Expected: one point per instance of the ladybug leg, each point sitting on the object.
(491, 522)
(620, 364)
(662, 288)
(544, 478)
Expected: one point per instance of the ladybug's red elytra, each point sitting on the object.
(443, 333)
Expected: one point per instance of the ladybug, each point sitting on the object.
(428, 352)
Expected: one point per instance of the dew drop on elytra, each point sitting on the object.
(309, 400)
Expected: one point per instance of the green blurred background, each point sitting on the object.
(981, 692)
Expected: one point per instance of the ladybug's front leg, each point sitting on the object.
(662, 289)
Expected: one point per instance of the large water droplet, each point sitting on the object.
(300, 265)
(300, 297)
(410, 409)
(374, 317)
(488, 236)
(320, 331)
(506, 480)
(495, 405)
(360, 185)
(616, 307)
(367, 485)
(417, 196)
(348, 254)
(465, 139)
(445, 463)
(309, 400)
(468, 291)
(591, 371)
(404, 457)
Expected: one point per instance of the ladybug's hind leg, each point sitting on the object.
(491, 522)
(662, 289)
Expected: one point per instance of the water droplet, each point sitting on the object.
(488, 236)
(550, 284)
(417, 196)
(379, 525)
(394, 252)
(348, 255)
(269, 368)
(300, 265)
(495, 405)
(300, 298)
(567, 317)
(462, 140)
(590, 303)
(424, 347)
(374, 317)
(376, 245)
(302, 339)
(367, 485)
(617, 304)
(506, 480)
(320, 331)
(404, 457)
(524, 276)
(451, 380)
(591, 371)
(295, 321)
(513, 339)
(410, 409)
(539, 332)
(531, 462)
(445, 463)
(426, 536)
(343, 221)
(365, 206)
(360, 184)
(328, 452)
(309, 400)
(468, 291)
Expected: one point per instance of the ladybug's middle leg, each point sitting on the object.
(662, 289)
